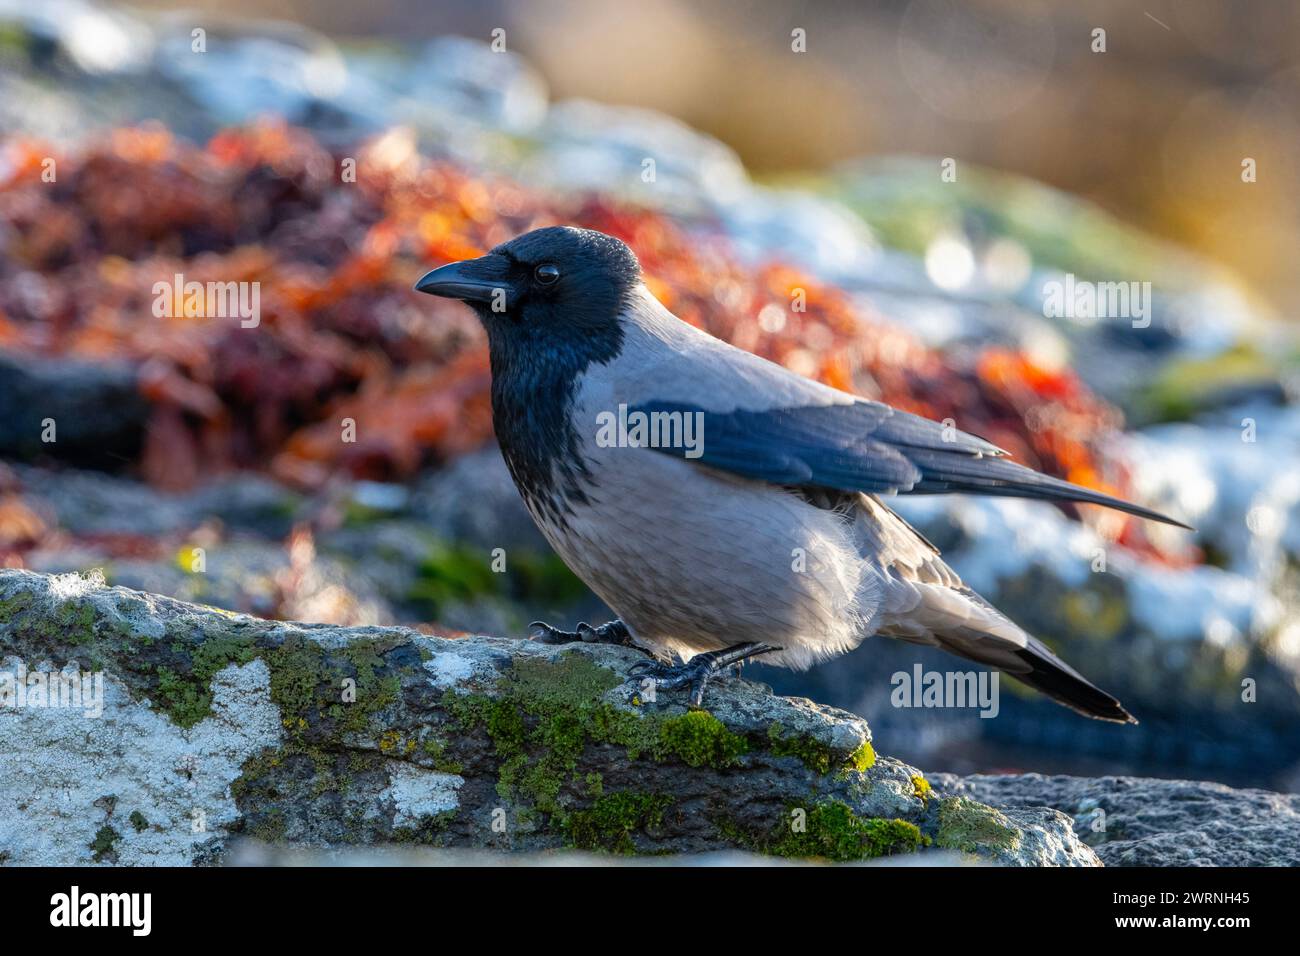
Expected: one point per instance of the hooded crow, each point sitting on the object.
(723, 506)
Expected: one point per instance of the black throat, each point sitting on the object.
(535, 377)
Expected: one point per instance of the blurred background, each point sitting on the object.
(923, 171)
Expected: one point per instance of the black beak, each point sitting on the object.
(486, 279)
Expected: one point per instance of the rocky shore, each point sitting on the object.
(164, 732)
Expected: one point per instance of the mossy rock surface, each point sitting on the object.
(321, 736)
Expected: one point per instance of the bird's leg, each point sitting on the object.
(698, 671)
(613, 632)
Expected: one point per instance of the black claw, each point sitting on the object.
(543, 633)
(651, 669)
(697, 672)
(613, 632)
(697, 690)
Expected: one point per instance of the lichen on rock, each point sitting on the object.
(220, 726)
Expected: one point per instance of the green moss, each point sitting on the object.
(921, 787)
(639, 733)
(70, 622)
(297, 671)
(572, 679)
(816, 755)
(138, 821)
(373, 694)
(545, 716)
(610, 822)
(969, 826)
(76, 620)
(269, 827)
(699, 739)
(862, 759)
(505, 725)
(254, 769)
(217, 653)
(184, 701)
(833, 831)
(306, 681)
(547, 713)
(186, 696)
(430, 831)
(11, 608)
(102, 847)
(436, 749)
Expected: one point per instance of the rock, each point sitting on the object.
(254, 853)
(94, 504)
(203, 727)
(242, 574)
(1133, 821)
(88, 413)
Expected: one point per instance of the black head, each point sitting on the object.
(548, 284)
(550, 301)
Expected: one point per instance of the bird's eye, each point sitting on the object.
(546, 274)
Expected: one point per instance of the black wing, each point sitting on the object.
(870, 447)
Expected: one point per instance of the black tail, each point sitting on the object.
(997, 643)
(998, 476)
(1061, 682)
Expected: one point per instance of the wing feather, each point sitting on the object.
(869, 447)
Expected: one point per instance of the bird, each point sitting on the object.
(722, 506)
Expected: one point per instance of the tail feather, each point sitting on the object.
(922, 601)
(1007, 648)
(1059, 681)
(998, 642)
(1000, 477)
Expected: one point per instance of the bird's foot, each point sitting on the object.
(613, 632)
(697, 672)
